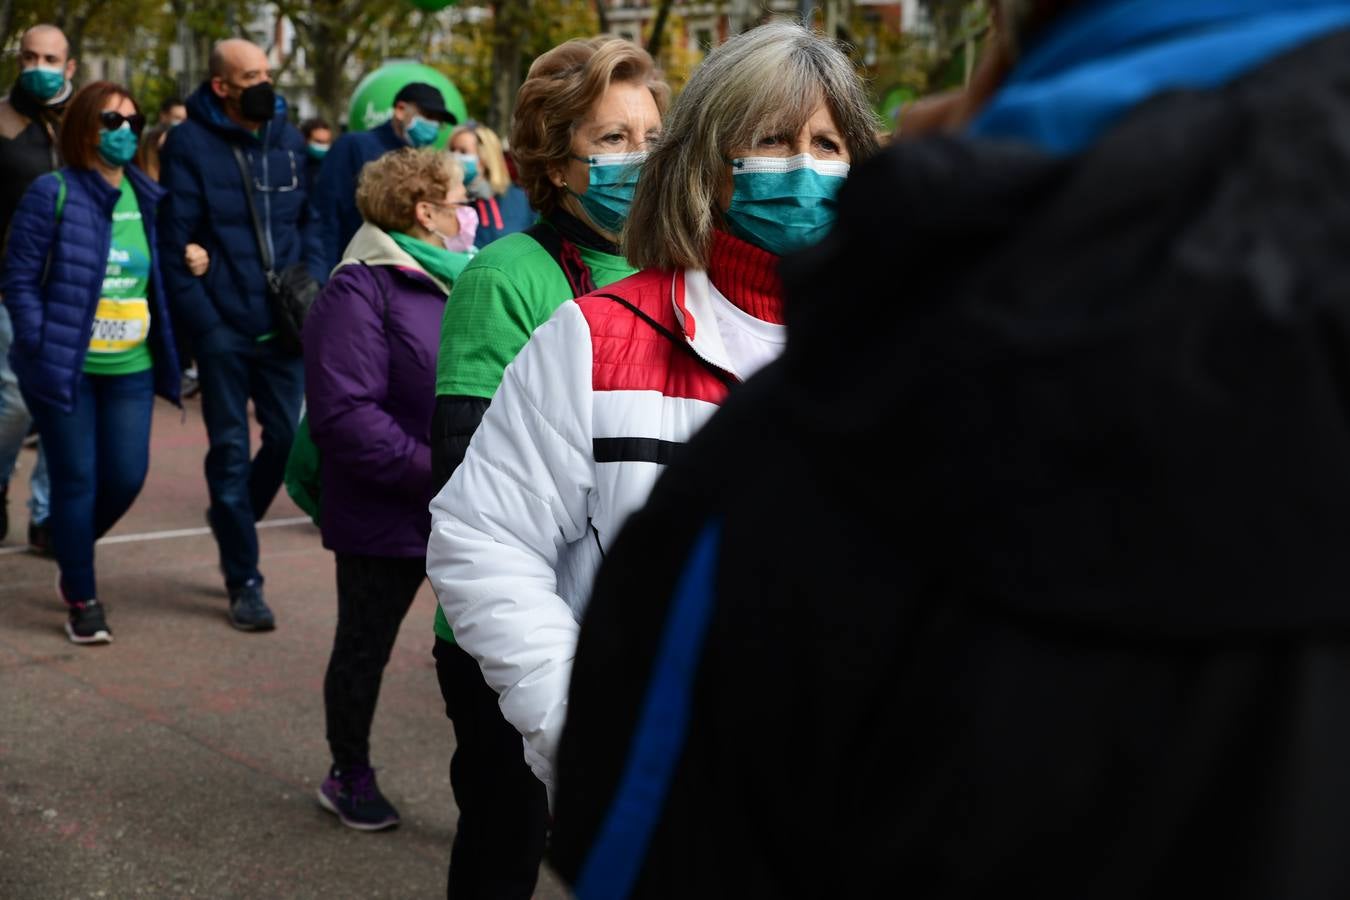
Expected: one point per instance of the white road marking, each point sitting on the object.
(168, 535)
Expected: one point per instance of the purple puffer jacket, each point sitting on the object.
(370, 385)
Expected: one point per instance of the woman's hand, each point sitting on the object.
(197, 259)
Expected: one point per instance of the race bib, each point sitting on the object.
(119, 325)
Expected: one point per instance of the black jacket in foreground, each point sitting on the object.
(1034, 573)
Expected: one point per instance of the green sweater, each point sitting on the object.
(507, 291)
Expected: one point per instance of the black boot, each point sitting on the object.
(40, 539)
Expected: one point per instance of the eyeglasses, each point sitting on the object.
(450, 205)
(262, 188)
(112, 120)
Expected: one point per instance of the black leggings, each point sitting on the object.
(503, 809)
(374, 594)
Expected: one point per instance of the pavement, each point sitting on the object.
(182, 759)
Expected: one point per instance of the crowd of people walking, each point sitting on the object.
(931, 497)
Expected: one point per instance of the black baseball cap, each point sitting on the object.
(428, 100)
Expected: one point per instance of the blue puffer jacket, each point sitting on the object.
(206, 204)
(333, 206)
(53, 321)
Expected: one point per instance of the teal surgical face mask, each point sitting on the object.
(470, 164)
(317, 150)
(117, 147)
(609, 191)
(422, 132)
(784, 205)
(41, 82)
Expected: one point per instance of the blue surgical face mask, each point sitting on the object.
(42, 83)
(422, 132)
(470, 164)
(117, 147)
(609, 191)
(784, 205)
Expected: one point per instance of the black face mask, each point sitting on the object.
(258, 103)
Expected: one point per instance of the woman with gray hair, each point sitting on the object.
(607, 391)
(586, 110)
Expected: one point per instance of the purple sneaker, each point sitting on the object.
(355, 798)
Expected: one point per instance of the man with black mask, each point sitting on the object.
(30, 118)
(237, 146)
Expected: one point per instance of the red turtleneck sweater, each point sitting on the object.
(747, 276)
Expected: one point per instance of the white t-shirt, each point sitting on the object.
(750, 343)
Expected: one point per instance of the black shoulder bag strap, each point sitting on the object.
(572, 265)
(253, 209)
(719, 373)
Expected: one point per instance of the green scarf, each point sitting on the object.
(435, 259)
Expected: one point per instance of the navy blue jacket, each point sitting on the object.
(503, 215)
(334, 204)
(206, 204)
(53, 320)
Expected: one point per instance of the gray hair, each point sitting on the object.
(766, 81)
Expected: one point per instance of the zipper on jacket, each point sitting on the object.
(677, 284)
(97, 294)
(267, 196)
(728, 378)
(712, 365)
(590, 523)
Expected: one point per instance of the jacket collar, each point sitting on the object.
(31, 107)
(146, 187)
(205, 108)
(94, 186)
(740, 273)
(373, 247)
(389, 139)
(147, 191)
(747, 276)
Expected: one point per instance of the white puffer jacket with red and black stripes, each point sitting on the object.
(584, 421)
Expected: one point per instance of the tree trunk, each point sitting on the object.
(325, 58)
(6, 21)
(601, 17)
(659, 28)
(510, 19)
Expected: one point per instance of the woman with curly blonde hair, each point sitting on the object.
(370, 351)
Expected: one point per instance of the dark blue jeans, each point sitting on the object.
(97, 457)
(232, 369)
